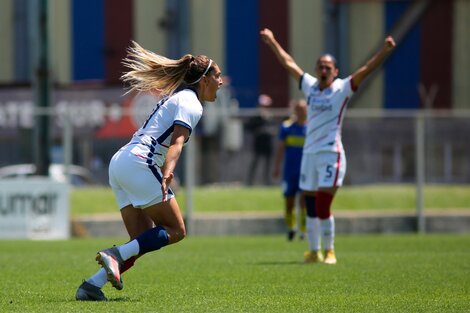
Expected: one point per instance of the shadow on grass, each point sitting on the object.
(121, 299)
(117, 299)
(280, 263)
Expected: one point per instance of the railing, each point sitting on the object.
(366, 130)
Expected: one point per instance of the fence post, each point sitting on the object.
(67, 143)
(420, 170)
(189, 173)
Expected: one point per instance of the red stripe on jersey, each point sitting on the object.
(338, 161)
(342, 109)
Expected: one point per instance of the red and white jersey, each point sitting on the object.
(151, 141)
(325, 113)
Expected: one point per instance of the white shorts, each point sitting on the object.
(134, 181)
(322, 170)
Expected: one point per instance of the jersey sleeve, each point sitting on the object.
(348, 85)
(188, 112)
(306, 82)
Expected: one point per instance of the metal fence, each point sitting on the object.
(381, 146)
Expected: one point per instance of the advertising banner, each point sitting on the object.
(34, 208)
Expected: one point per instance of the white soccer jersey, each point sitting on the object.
(152, 140)
(325, 113)
(134, 171)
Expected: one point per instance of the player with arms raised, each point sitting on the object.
(323, 163)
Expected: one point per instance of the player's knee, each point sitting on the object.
(182, 232)
(177, 234)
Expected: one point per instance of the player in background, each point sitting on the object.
(288, 156)
(323, 161)
(141, 172)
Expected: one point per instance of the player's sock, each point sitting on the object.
(290, 220)
(128, 264)
(129, 249)
(328, 232)
(99, 279)
(323, 208)
(312, 223)
(153, 239)
(313, 233)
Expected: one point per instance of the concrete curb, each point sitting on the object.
(458, 221)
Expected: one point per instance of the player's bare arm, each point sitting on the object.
(180, 134)
(283, 57)
(374, 62)
(279, 156)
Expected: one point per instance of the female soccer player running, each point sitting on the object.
(141, 172)
(323, 163)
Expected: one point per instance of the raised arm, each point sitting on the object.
(359, 75)
(283, 57)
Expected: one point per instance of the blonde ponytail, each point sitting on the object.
(149, 71)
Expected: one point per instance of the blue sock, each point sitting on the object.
(152, 239)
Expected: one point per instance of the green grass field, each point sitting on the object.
(400, 273)
(269, 199)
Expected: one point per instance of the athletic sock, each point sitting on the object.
(328, 232)
(99, 279)
(152, 239)
(128, 264)
(313, 233)
(303, 215)
(290, 220)
(129, 249)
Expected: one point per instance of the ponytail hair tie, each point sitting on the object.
(205, 72)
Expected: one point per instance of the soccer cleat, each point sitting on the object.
(313, 257)
(111, 260)
(89, 292)
(330, 257)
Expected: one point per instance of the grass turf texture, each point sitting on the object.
(400, 273)
(269, 199)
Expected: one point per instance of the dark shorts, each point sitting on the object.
(290, 185)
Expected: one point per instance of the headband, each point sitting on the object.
(205, 72)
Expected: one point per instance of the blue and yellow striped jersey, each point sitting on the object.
(293, 135)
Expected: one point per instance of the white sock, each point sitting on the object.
(313, 233)
(129, 249)
(328, 232)
(99, 279)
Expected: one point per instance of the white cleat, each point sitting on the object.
(111, 260)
